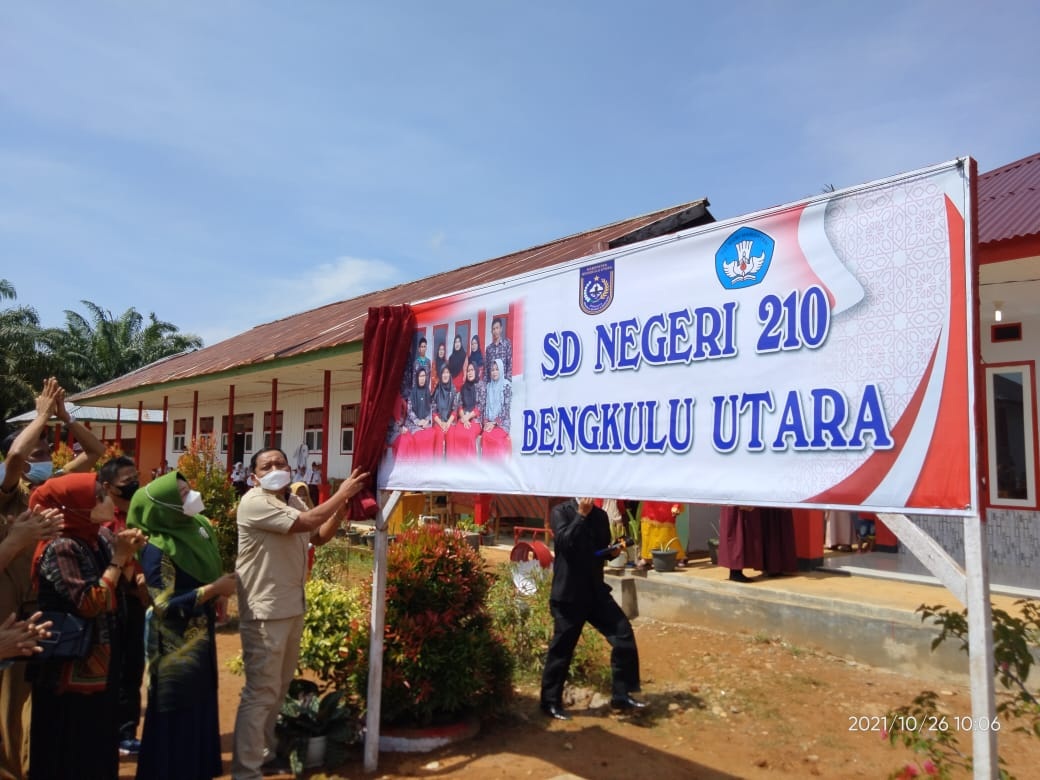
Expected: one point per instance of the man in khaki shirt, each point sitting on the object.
(274, 529)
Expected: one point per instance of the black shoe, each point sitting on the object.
(736, 575)
(626, 702)
(555, 711)
(276, 766)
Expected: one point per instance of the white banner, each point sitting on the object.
(815, 354)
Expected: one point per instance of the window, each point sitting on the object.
(312, 429)
(180, 428)
(277, 430)
(243, 425)
(206, 428)
(1010, 409)
(348, 421)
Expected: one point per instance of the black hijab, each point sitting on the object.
(468, 393)
(476, 357)
(419, 399)
(444, 398)
(457, 358)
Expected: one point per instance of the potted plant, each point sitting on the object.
(665, 555)
(318, 720)
(313, 728)
(470, 532)
(713, 544)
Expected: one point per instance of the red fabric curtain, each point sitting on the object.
(387, 346)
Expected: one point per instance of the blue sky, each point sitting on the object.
(225, 164)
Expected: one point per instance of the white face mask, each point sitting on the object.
(275, 480)
(105, 512)
(193, 504)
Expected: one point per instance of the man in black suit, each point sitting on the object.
(581, 534)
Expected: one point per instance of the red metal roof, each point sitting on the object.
(342, 323)
(1009, 201)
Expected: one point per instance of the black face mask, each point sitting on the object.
(127, 491)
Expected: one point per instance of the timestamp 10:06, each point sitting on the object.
(943, 723)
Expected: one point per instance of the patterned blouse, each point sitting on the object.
(70, 581)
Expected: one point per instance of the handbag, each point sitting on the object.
(70, 639)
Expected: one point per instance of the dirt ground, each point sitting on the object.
(722, 705)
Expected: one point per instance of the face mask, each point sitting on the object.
(127, 491)
(193, 504)
(275, 480)
(40, 472)
(105, 512)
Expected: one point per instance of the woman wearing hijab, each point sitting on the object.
(181, 737)
(476, 357)
(75, 730)
(445, 402)
(457, 363)
(418, 442)
(498, 395)
(440, 360)
(462, 438)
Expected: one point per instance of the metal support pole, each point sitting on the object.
(980, 649)
(375, 642)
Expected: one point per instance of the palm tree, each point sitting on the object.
(104, 346)
(22, 365)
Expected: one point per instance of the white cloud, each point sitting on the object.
(345, 277)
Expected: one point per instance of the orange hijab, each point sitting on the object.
(74, 495)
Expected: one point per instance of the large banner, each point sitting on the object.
(815, 354)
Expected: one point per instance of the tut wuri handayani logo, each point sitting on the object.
(744, 258)
(596, 287)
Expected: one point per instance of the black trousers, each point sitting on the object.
(131, 671)
(605, 616)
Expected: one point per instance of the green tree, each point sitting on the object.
(23, 366)
(101, 346)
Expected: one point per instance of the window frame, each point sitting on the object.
(1026, 369)
(180, 435)
(346, 411)
(312, 434)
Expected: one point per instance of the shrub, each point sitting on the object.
(527, 625)
(924, 726)
(331, 612)
(206, 474)
(442, 658)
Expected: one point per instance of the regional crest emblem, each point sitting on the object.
(596, 287)
(744, 258)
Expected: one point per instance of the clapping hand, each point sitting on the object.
(21, 637)
(35, 525)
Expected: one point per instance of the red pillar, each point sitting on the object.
(808, 538)
(165, 424)
(274, 411)
(140, 422)
(57, 434)
(230, 428)
(326, 443)
(119, 426)
(194, 415)
(482, 509)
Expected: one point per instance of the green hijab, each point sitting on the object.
(156, 510)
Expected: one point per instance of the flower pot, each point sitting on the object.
(664, 560)
(315, 752)
(713, 551)
(354, 537)
(487, 540)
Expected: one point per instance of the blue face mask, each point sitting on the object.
(40, 472)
